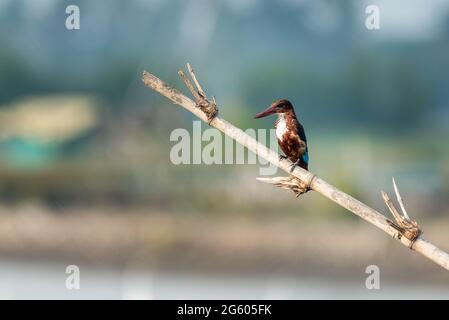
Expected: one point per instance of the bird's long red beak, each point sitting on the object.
(267, 112)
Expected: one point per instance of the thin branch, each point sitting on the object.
(315, 183)
(289, 183)
(208, 107)
(398, 196)
(406, 227)
(390, 206)
(189, 85)
(195, 80)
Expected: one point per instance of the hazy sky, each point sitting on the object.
(410, 19)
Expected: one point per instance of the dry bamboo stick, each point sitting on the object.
(315, 183)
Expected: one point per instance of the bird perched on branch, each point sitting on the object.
(289, 132)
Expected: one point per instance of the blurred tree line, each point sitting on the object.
(338, 75)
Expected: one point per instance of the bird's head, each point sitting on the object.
(279, 106)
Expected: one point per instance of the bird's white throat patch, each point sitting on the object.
(281, 126)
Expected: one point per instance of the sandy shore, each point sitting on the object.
(200, 242)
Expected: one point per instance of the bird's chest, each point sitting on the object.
(281, 128)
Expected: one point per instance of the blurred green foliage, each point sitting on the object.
(372, 108)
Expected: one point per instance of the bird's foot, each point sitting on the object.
(294, 165)
(282, 157)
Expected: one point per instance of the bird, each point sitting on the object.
(289, 133)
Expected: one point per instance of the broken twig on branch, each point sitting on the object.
(406, 230)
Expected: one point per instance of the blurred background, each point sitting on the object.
(85, 170)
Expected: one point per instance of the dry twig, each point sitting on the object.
(289, 183)
(405, 226)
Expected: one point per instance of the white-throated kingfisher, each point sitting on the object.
(289, 132)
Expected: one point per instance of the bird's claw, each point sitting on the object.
(294, 165)
(282, 157)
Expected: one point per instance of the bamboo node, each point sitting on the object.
(405, 226)
(208, 107)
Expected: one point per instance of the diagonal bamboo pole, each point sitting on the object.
(315, 183)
